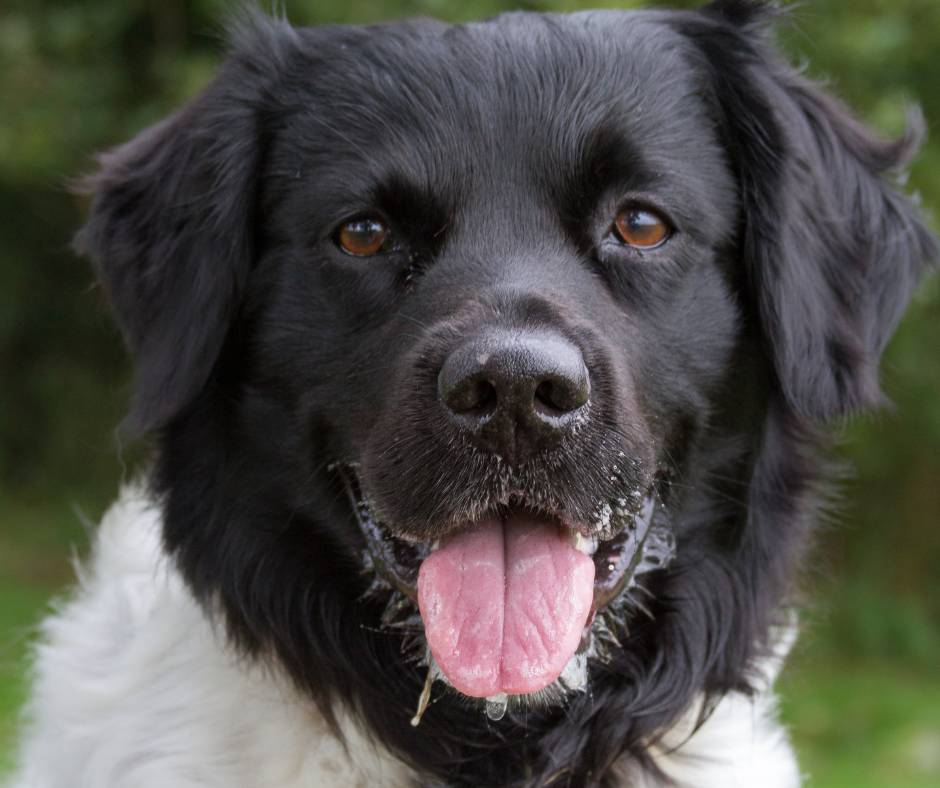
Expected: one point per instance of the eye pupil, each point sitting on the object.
(362, 237)
(640, 228)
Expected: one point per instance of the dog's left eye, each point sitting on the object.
(363, 237)
(641, 228)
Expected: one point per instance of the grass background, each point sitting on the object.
(862, 690)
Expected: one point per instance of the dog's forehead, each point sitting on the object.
(458, 101)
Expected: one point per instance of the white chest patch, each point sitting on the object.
(134, 689)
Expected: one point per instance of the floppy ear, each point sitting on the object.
(833, 251)
(170, 229)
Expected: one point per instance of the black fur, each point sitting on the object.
(500, 152)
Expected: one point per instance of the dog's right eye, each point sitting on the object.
(363, 237)
(641, 228)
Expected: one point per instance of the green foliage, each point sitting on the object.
(868, 724)
(79, 77)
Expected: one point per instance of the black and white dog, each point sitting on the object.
(487, 367)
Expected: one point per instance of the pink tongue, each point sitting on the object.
(504, 605)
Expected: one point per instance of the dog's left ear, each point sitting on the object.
(832, 249)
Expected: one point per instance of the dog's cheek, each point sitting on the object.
(687, 348)
(320, 355)
(401, 445)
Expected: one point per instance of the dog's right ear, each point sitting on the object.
(170, 229)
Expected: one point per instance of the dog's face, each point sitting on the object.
(499, 299)
(494, 322)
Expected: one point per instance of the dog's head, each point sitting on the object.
(526, 323)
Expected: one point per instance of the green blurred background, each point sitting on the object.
(862, 692)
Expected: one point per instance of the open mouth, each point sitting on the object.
(511, 603)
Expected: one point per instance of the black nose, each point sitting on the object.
(515, 392)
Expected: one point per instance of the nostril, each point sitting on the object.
(547, 399)
(471, 395)
(556, 397)
(485, 397)
(473, 398)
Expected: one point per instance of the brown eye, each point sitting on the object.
(641, 228)
(362, 237)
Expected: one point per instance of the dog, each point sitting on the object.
(488, 369)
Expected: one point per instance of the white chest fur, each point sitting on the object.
(134, 689)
